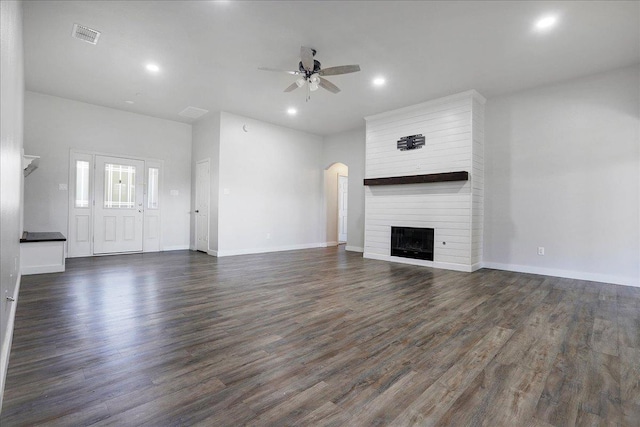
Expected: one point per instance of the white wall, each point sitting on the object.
(55, 125)
(448, 125)
(271, 182)
(331, 201)
(563, 172)
(11, 135)
(349, 148)
(206, 145)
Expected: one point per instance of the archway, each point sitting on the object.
(335, 197)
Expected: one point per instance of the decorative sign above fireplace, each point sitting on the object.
(411, 142)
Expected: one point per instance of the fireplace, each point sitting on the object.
(410, 242)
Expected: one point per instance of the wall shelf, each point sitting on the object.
(419, 179)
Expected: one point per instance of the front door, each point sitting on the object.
(119, 195)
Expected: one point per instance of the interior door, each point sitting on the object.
(343, 196)
(119, 195)
(202, 206)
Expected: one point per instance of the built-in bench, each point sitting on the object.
(42, 252)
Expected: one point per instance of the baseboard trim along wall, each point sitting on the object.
(329, 244)
(354, 248)
(176, 248)
(568, 274)
(5, 351)
(419, 262)
(233, 252)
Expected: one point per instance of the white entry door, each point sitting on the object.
(343, 196)
(202, 206)
(119, 195)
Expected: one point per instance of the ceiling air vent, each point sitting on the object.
(193, 112)
(85, 34)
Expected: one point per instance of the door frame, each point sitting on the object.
(195, 204)
(87, 155)
(346, 177)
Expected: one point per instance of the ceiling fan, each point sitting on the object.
(310, 72)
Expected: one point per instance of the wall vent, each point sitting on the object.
(86, 34)
(193, 112)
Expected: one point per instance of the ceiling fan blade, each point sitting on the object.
(295, 73)
(291, 87)
(326, 84)
(341, 69)
(306, 56)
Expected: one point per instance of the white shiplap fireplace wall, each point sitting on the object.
(454, 131)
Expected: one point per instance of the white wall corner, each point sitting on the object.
(477, 266)
(212, 253)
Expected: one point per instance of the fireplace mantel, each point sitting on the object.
(419, 179)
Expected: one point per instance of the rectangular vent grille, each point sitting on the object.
(86, 34)
(193, 112)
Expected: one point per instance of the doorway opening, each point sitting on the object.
(336, 184)
(202, 205)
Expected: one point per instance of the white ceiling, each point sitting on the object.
(209, 53)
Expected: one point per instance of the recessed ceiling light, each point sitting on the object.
(129, 102)
(292, 111)
(153, 68)
(379, 81)
(546, 22)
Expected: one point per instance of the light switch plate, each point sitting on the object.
(62, 187)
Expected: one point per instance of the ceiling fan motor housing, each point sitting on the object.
(307, 73)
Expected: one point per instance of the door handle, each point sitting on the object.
(197, 211)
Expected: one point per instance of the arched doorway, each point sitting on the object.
(336, 192)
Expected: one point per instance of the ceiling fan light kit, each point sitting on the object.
(311, 73)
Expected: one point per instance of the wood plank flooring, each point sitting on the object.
(318, 337)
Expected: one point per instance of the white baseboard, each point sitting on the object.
(329, 244)
(354, 248)
(42, 269)
(234, 252)
(5, 351)
(212, 252)
(192, 248)
(477, 266)
(419, 262)
(176, 248)
(569, 274)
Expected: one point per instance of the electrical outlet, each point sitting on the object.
(63, 187)
(540, 250)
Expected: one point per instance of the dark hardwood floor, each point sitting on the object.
(318, 337)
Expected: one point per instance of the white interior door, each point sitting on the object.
(119, 195)
(343, 196)
(202, 205)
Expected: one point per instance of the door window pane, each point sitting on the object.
(152, 194)
(119, 186)
(82, 184)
